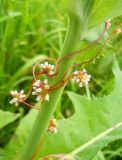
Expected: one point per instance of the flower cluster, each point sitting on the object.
(47, 68)
(17, 97)
(52, 128)
(81, 77)
(41, 90)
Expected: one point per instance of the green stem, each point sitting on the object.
(71, 44)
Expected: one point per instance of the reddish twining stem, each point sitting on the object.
(30, 106)
(69, 55)
(85, 62)
(64, 81)
(84, 49)
(37, 149)
(74, 53)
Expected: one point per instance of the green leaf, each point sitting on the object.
(95, 13)
(12, 151)
(98, 11)
(96, 122)
(7, 117)
(90, 54)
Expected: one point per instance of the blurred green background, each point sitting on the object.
(31, 30)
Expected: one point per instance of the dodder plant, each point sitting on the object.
(58, 76)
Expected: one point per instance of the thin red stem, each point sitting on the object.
(84, 49)
(29, 105)
(62, 83)
(69, 55)
(37, 149)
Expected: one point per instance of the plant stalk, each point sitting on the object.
(71, 44)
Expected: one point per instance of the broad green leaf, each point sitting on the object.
(7, 117)
(95, 13)
(95, 123)
(12, 151)
(98, 11)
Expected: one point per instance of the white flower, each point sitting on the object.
(40, 90)
(37, 83)
(81, 77)
(17, 97)
(47, 68)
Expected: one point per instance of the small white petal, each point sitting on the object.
(84, 70)
(38, 98)
(80, 84)
(22, 96)
(46, 63)
(51, 72)
(49, 66)
(55, 130)
(86, 83)
(46, 86)
(38, 90)
(11, 102)
(21, 92)
(43, 66)
(77, 80)
(33, 93)
(37, 83)
(12, 92)
(47, 97)
(15, 92)
(52, 130)
(76, 73)
(16, 104)
(45, 81)
(52, 67)
(14, 100)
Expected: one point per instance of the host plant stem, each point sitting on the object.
(71, 44)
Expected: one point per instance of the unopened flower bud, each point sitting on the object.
(118, 30)
(52, 128)
(107, 24)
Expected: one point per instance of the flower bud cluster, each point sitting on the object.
(108, 24)
(81, 77)
(41, 90)
(47, 68)
(17, 97)
(118, 31)
(52, 128)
